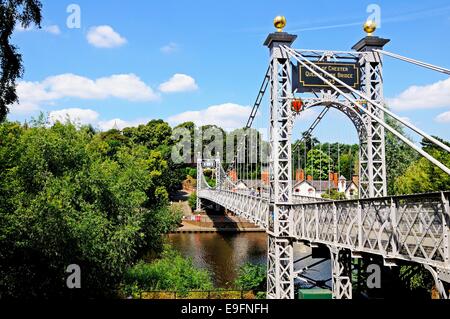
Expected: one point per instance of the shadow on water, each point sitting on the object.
(219, 218)
(223, 254)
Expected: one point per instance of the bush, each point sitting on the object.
(333, 194)
(171, 272)
(192, 200)
(252, 277)
(70, 196)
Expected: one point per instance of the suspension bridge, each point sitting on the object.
(411, 228)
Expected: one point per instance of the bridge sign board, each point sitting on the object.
(306, 81)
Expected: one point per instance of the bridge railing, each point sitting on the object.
(411, 227)
(254, 208)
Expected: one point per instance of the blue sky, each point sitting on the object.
(204, 60)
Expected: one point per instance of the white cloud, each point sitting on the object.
(228, 116)
(20, 28)
(179, 83)
(120, 124)
(443, 117)
(308, 114)
(76, 115)
(123, 86)
(53, 29)
(104, 36)
(423, 97)
(169, 48)
(88, 116)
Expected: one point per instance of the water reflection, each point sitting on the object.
(222, 254)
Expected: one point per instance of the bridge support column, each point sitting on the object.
(280, 268)
(280, 280)
(341, 270)
(372, 165)
(199, 182)
(441, 280)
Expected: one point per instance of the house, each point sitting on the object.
(316, 188)
(304, 186)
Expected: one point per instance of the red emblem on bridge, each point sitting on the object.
(297, 105)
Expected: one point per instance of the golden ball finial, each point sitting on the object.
(279, 22)
(369, 27)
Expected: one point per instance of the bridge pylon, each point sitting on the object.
(280, 272)
(372, 166)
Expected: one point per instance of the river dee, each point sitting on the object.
(223, 253)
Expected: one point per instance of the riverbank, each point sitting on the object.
(207, 224)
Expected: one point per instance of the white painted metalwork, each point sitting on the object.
(412, 228)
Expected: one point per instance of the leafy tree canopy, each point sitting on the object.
(12, 13)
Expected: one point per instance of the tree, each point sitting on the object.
(318, 164)
(334, 194)
(399, 156)
(423, 176)
(171, 272)
(65, 199)
(252, 277)
(154, 134)
(13, 12)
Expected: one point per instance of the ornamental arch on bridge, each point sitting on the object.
(411, 228)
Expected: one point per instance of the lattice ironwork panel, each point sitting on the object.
(325, 222)
(420, 232)
(374, 214)
(413, 227)
(347, 226)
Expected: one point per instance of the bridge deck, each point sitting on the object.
(411, 227)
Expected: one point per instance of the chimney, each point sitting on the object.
(310, 178)
(265, 177)
(233, 175)
(300, 175)
(355, 179)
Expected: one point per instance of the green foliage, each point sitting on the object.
(153, 135)
(192, 172)
(344, 157)
(252, 277)
(423, 176)
(12, 13)
(333, 194)
(415, 277)
(70, 197)
(318, 164)
(192, 200)
(399, 157)
(170, 272)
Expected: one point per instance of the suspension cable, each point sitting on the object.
(416, 62)
(377, 119)
(312, 159)
(320, 166)
(339, 160)
(296, 55)
(329, 166)
(255, 108)
(313, 125)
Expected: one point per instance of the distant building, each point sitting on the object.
(302, 186)
(316, 188)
